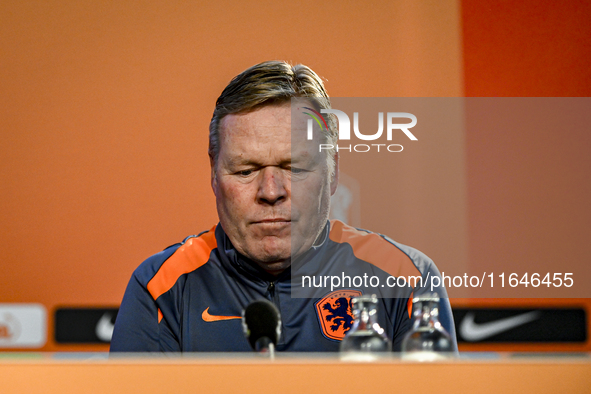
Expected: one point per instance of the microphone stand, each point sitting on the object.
(265, 347)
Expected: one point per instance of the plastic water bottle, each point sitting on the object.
(427, 340)
(365, 341)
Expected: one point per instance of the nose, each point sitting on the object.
(273, 186)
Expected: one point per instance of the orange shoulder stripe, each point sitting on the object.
(374, 249)
(190, 256)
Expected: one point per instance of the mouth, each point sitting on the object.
(273, 221)
(274, 227)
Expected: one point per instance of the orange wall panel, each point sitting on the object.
(528, 192)
(104, 113)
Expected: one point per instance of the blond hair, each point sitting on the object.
(268, 83)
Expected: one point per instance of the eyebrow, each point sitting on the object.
(247, 162)
(306, 155)
(299, 157)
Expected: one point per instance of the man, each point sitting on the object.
(272, 193)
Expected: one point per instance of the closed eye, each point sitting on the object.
(296, 171)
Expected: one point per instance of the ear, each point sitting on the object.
(214, 180)
(334, 182)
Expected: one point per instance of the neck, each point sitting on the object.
(274, 268)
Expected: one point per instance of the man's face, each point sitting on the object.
(252, 181)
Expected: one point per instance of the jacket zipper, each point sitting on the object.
(275, 300)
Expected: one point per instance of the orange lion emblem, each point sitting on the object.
(335, 313)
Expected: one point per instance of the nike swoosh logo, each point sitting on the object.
(104, 328)
(209, 318)
(472, 331)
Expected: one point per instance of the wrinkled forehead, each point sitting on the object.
(280, 123)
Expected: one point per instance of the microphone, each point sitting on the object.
(262, 326)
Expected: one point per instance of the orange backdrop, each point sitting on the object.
(104, 110)
(528, 193)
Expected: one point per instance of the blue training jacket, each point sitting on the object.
(190, 296)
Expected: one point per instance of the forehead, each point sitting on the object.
(267, 125)
(268, 120)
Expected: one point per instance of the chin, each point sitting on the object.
(274, 258)
(270, 250)
(275, 267)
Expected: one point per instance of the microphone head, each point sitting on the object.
(261, 319)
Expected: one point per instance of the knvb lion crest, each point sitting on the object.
(335, 313)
